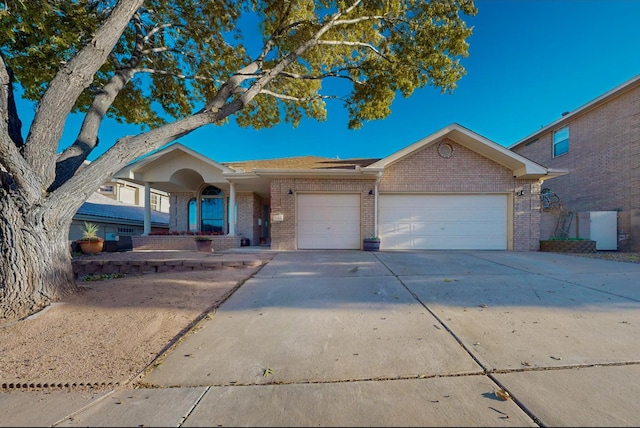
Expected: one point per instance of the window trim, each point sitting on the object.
(556, 143)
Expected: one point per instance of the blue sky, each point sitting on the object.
(529, 61)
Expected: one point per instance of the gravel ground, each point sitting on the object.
(111, 330)
(612, 255)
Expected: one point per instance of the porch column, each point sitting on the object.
(147, 209)
(232, 209)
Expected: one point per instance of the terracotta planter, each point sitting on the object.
(91, 247)
(204, 246)
(370, 244)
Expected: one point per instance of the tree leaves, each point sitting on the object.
(186, 50)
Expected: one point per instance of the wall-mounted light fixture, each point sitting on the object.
(371, 192)
(290, 192)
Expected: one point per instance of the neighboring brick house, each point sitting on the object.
(451, 190)
(599, 145)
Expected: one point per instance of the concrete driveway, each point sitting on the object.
(353, 338)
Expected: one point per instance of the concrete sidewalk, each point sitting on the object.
(353, 338)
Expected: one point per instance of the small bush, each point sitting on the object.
(102, 277)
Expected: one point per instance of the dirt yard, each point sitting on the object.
(108, 333)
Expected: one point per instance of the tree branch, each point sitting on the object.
(171, 73)
(298, 99)
(78, 188)
(66, 87)
(322, 76)
(15, 173)
(74, 156)
(345, 43)
(268, 76)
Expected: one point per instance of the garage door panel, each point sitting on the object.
(443, 221)
(441, 243)
(328, 221)
(393, 228)
(325, 241)
(311, 228)
(332, 214)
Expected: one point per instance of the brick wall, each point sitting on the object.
(469, 172)
(244, 203)
(249, 211)
(283, 234)
(182, 242)
(258, 213)
(603, 160)
(423, 172)
(464, 171)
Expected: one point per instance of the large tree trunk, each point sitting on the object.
(35, 263)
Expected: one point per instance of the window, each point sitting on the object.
(106, 189)
(212, 210)
(193, 219)
(561, 141)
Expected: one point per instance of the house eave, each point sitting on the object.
(604, 98)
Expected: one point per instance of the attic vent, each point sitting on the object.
(565, 113)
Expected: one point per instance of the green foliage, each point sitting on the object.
(90, 232)
(102, 277)
(376, 51)
(37, 37)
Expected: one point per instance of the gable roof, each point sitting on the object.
(521, 166)
(595, 103)
(176, 149)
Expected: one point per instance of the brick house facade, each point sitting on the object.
(451, 190)
(602, 155)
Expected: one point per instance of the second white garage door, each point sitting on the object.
(328, 221)
(443, 222)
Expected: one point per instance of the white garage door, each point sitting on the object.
(328, 221)
(443, 222)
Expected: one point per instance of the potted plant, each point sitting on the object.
(90, 243)
(204, 243)
(371, 243)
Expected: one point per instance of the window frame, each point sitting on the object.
(212, 197)
(562, 144)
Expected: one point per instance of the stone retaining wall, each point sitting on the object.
(88, 267)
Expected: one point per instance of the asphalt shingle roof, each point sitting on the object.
(102, 206)
(302, 162)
